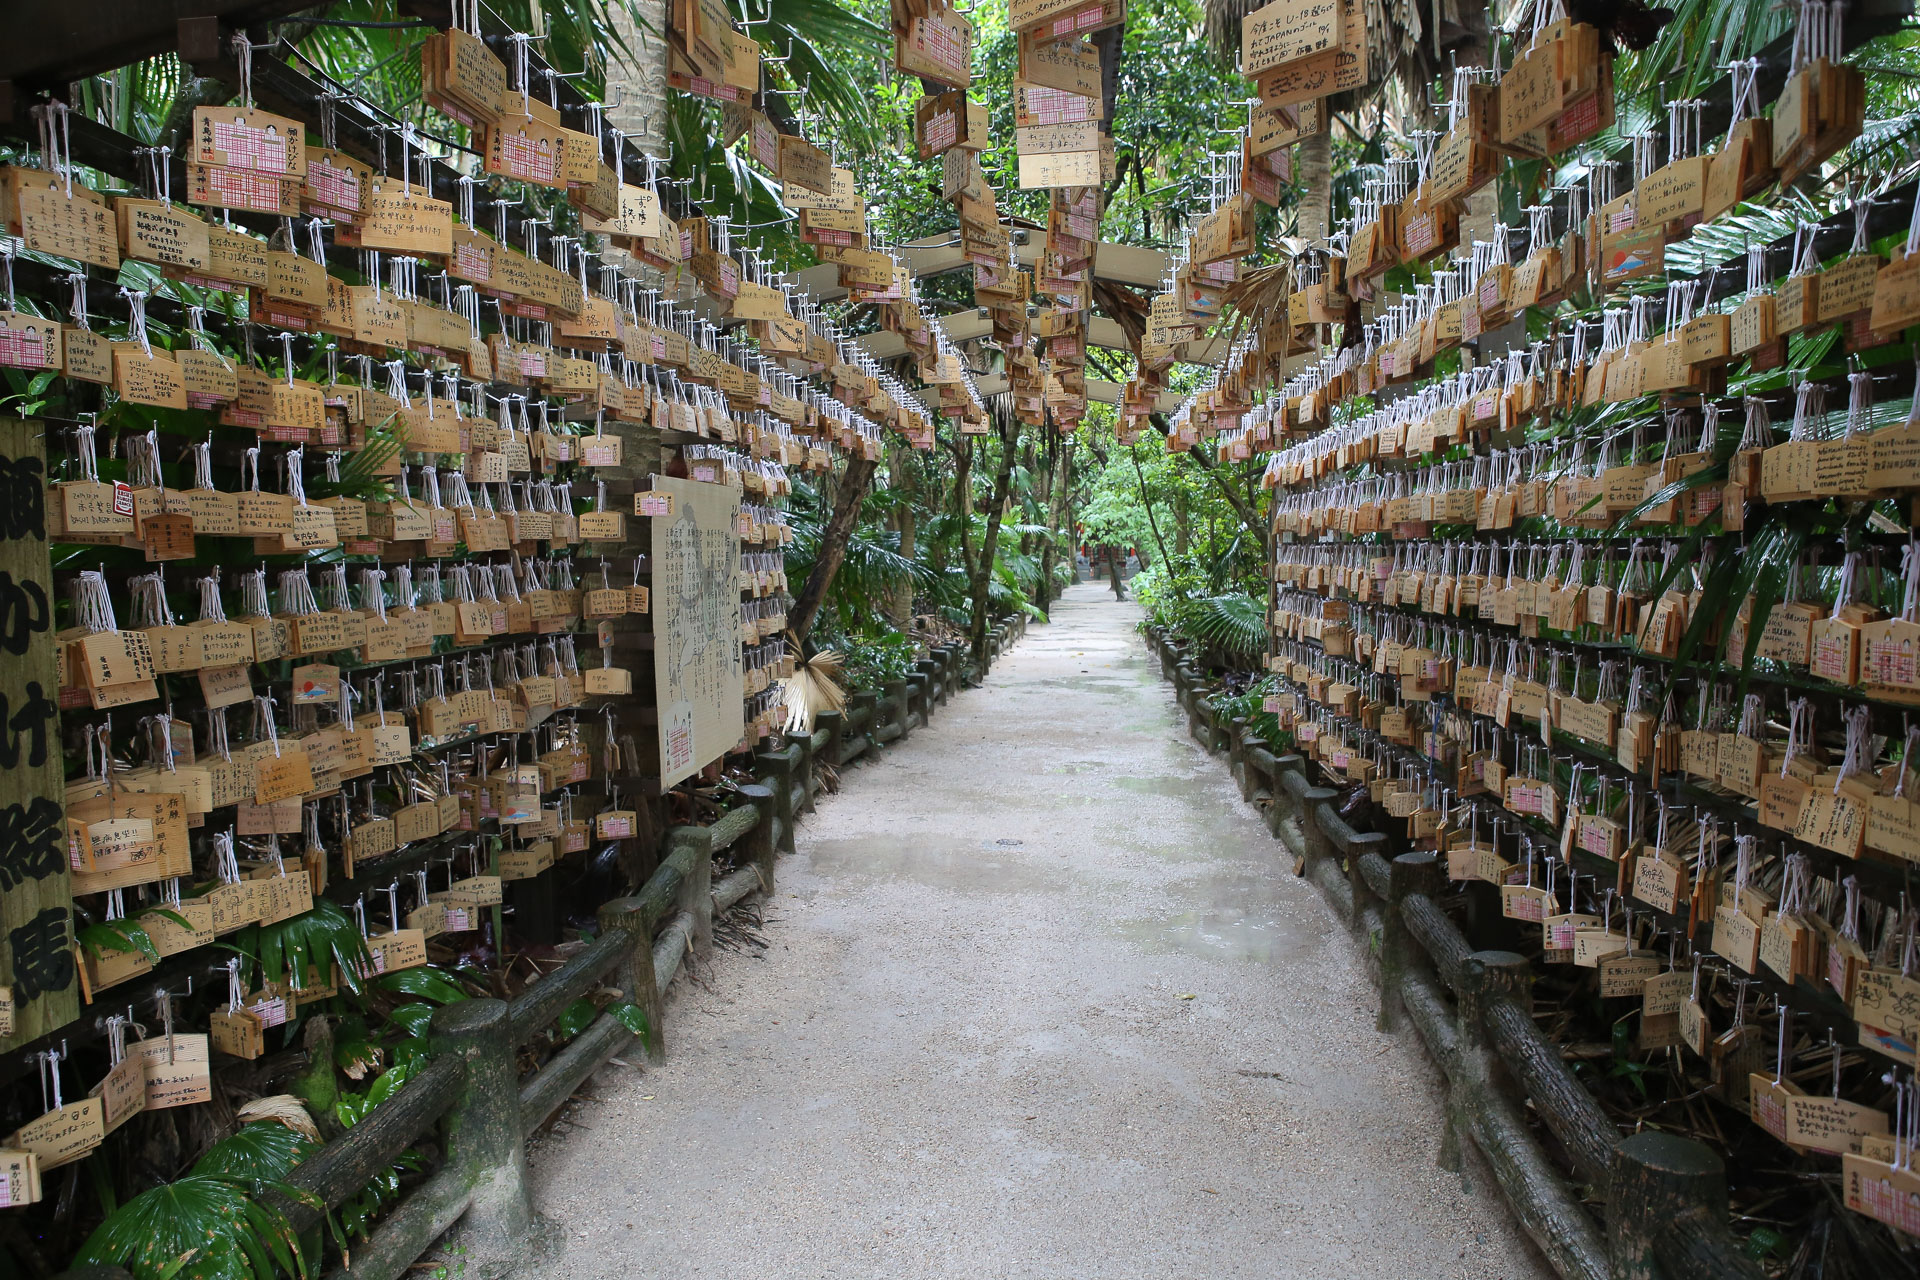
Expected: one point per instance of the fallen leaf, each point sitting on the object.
(1189, 995)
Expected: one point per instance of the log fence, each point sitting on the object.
(471, 1097)
(1600, 1204)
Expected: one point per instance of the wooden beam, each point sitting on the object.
(48, 45)
(1128, 264)
(1098, 389)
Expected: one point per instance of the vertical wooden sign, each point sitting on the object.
(36, 896)
(696, 626)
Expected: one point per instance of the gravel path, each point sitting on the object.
(1041, 1000)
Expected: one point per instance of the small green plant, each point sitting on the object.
(873, 661)
(1249, 703)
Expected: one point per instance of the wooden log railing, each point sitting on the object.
(1661, 1200)
(470, 1092)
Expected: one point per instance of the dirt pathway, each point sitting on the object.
(1041, 1000)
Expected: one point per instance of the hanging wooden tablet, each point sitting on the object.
(29, 342)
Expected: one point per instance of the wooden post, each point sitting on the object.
(636, 973)
(835, 725)
(920, 698)
(894, 702)
(1319, 847)
(865, 707)
(758, 843)
(484, 1136)
(696, 890)
(1667, 1213)
(777, 767)
(803, 768)
(1364, 844)
(1237, 756)
(1484, 975)
(37, 960)
(1408, 873)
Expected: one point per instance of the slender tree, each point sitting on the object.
(1009, 432)
(833, 546)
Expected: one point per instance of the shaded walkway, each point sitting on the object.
(1041, 1001)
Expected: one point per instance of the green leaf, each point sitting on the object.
(203, 1226)
(389, 1081)
(412, 1018)
(264, 1151)
(1236, 624)
(318, 939)
(575, 1018)
(424, 981)
(118, 935)
(633, 1018)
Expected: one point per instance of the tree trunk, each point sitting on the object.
(1248, 513)
(983, 571)
(1146, 504)
(902, 610)
(1315, 169)
(963, 506)
(833, 546)
(1113, 571)
(1047, 489)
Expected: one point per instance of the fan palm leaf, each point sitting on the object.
(818, 41)
(1235, 624)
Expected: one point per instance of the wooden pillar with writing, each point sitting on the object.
(37, 961)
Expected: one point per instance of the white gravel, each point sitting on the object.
(1042, 1000)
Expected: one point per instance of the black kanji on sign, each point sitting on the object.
(23, 613)
(32, 720)
(23, 510)
(32, 842)
(42, 955)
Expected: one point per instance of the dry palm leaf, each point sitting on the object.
(284, 1108)
(1257, 295)
(813, 687)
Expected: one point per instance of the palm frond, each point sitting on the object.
(1704, 35)
(1235, 624)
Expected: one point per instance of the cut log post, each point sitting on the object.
(1488, 976)
(920, 694)
(1409, 873)
(484, 1135)
(695, 896)
(1319, 848)
(757, 844)
(834, 725)
(777, 770)
(1667, 1213)
(1483, 977)
(1237, 756)
(891, 717)
(629, 915)
(1354, 847)
(803, 781)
